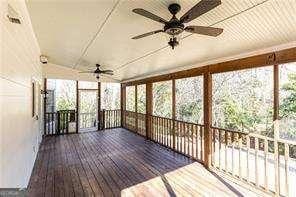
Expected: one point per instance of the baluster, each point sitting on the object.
(162, 131)
(192, 146)
(265, 163)
(157, 129)
(201, 143)
(197, 141)
(187, 138)
(177, 135)
(240, 139)
(226, 147)
(248, 156)
(213, 147)
(256, 162)
(53, 123)
(287, 168)
(167, 132)
(170, 133)
(220, 147)
(184, 138)
(232, 152)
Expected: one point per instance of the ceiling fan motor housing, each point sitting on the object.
(174, 8)
(174, 26)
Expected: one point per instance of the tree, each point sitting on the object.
(288, 107)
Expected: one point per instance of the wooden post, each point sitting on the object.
(149, 109)
(276, 101)
(99, 106)
(77, 106)
(174, 111)
(207, 118)
(136, 108)
(44, 105)
(276, 124)
(123, 104)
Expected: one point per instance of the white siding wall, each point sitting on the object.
(20, 134)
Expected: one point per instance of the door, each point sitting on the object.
(88, 110)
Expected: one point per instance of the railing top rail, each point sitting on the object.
(229, 130)
(192, 123)
(257, 136)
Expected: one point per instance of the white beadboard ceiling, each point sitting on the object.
(80, 33)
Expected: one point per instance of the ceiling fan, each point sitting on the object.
(98, 71)
(174, 27)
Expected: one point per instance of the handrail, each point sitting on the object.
(243, 149)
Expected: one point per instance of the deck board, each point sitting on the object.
(120, 163)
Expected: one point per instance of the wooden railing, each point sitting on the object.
(182, 137)
(87, 120)
(60, 122)
(256, 159)
(63, 122)
(129, 120)
(111, 118)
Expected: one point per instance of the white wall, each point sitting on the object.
(19, 133)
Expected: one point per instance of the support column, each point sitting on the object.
(123, 104)
(207, 118)
(136, 108)
(149, 109)
(174, 111)
(276, 124)
(77, 107)
(44, 105)
(99, 106)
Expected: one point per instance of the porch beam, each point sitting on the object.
(207, 97)
(276, 57)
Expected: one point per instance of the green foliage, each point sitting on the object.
(288, 107)
(65, 104)
(141, 99)
(162, 99)
(190, 112)
(243, 100)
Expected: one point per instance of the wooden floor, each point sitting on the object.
(119, 163)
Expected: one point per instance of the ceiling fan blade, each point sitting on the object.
(199, 9)
(147, 34)
(147, 14)
(209, 31)
(86, 72)
(107, 73)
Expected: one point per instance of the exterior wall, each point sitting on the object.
(20, 133)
